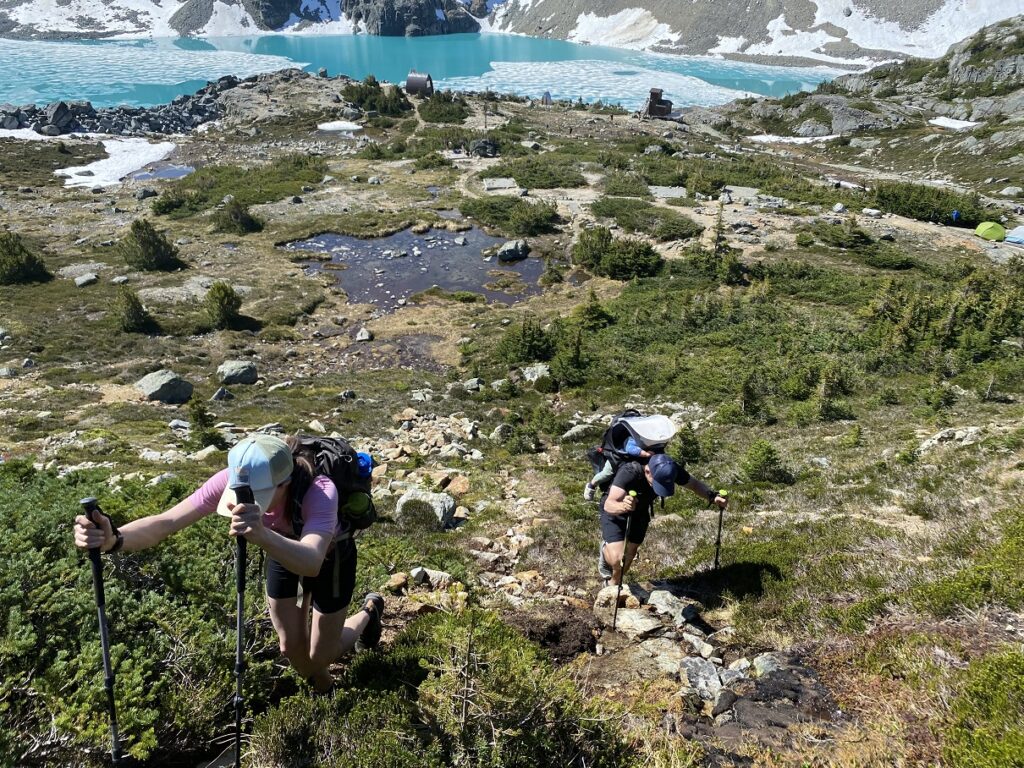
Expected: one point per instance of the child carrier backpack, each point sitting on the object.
(351, 473)
(651, 433)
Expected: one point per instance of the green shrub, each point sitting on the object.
(18, 264)
(431, 161)
(146, 249)
(763, 464)
(455, 689)
(591, 315)
(934, 204)
(236, 218)
(201, 423)
(987, 729)
(640, 216)
(512, 214)
(622, 184)
(167, 608)
(525, 343)
(444, 107)
(369, 95)
(547, 171)
(628, 258)
(130, 315)
(222, 304)
(282, 177)
(619, 259)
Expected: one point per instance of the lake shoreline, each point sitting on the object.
(163, 69)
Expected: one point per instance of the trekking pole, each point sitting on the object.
(718, 541)
(622, 565)
(91, 507)
(243, 495)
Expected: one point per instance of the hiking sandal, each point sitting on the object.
(373, 604)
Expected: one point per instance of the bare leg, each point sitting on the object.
(613, 556)
(332, 635)
(291, 624)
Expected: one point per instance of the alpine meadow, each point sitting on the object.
(346, 422)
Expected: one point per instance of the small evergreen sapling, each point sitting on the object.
(146, 249)
(222, 304)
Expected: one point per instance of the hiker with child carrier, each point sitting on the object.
(301, 500)
(632, 472)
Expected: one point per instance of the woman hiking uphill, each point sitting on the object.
(323, 556)
(629, 504)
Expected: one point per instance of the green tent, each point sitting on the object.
(990, 230)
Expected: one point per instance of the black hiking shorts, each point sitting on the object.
(613, 527)
(331, 588)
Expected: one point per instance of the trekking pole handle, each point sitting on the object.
(91, 507)
(712, 494)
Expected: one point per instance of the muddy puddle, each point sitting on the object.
(388, 271)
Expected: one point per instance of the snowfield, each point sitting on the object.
(632, 28)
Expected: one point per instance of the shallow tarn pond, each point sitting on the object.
(388, 271)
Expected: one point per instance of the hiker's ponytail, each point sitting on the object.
(305, 468)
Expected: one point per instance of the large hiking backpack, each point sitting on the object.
(652, 433)
(349, 471)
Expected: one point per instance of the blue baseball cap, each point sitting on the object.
(663, 474)
(260, 461)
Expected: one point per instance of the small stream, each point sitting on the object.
(387, 271)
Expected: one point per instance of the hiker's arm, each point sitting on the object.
(705, 492)
(138, 534)
(303, 557)
(618, 501)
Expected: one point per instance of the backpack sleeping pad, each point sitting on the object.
(651, 433)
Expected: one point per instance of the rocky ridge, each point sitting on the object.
(976, 88)
(853, 33)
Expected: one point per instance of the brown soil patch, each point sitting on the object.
(564, 632)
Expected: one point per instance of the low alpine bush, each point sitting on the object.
(236, 218)
(18, 264)
(145, 249)
(222, 303)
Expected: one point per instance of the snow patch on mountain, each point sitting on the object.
(632, 28)
(228, 20)
(947, 26)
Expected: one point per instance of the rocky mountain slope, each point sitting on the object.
(847, 32)
(843, 31)
(958, 114)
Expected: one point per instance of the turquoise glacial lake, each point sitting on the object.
(147, 72)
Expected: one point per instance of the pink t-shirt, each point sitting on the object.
(319, 506)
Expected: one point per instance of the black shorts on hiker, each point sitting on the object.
(613, 527)
(331, 588)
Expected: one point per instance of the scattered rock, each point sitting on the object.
(87, 279)
(412, 502)
(222, 394)
(702, 676)
(513, 250)
(165, 386)
(766, 663)
(364, 334)
(958, 435)
(237, 372)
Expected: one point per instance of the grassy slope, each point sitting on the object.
(873, 559)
